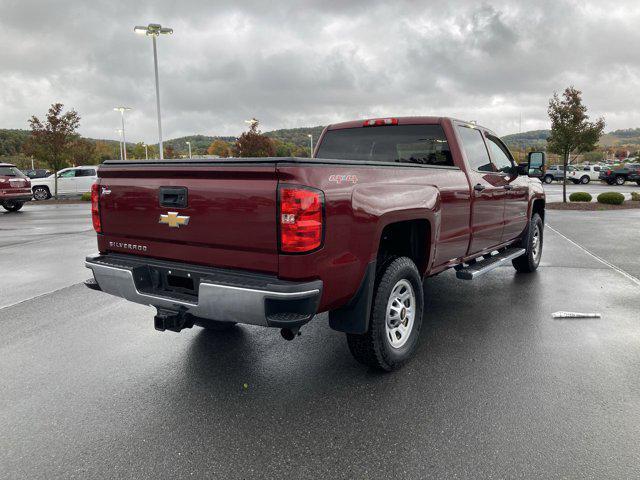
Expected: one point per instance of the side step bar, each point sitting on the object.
(488, 263)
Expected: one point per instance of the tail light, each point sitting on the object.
(377, 122)
(609, 172)
(301, 219)
(95, 207)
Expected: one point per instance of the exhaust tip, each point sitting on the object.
(289, 334)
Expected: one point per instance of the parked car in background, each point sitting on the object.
(37, 173)
(555, 172)
(71, 181)
(584, 174)
(619, 174)
(15, 187)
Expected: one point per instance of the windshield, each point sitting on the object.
(421, 144)
(11, 172)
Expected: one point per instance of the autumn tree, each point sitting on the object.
(53, 139)
(169, 151)
(571, 130)
(219, 148)
(254, 144)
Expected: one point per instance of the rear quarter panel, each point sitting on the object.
(360, 201)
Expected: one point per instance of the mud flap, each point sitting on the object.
(354, 316)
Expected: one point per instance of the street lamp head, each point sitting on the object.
(188, 143)
(152, 29)
(121, 109)
(309, 135)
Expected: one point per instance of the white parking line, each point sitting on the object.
(600, 259)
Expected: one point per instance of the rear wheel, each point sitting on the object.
(395, 320)
(12, 206)
(584, 180)
(214, 325)
(548, 179)
(620, 180)
(41, 193)
(532, 243)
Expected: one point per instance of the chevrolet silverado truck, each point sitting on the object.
(352, 231)
(15, 188)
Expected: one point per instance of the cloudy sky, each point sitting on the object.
(304, 63)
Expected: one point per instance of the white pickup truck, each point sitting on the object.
(584, 174)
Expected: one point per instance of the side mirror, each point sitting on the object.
(536, 162)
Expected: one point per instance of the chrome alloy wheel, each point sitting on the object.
(401, 312)
(536, 244)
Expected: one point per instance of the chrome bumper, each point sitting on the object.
(276, 304)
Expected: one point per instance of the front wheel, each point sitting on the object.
(41, 193)
(620, 180)
(584, 180)
(532, 243)
(395, 319)
(548, 179)
(12, 206)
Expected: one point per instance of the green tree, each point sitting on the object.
(571, 130)
(219, 148)
(53, 139)
(254, 144)
(83, 152)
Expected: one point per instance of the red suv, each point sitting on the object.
(15, 187)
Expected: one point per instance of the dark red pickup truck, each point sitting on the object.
(353, 231)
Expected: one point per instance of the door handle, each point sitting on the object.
(478, 187)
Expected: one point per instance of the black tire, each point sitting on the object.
(375, 348)
(215, 325)
(12, 206)
(532, 242)
(41, 193)
(611, 182)
(620, 180)
(548, 179)
(638, 182)
(585, 179)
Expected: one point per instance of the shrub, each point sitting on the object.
(611, 198)
(635, 196)
(86, 197)
(580, 197)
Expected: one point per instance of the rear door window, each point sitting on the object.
(475, 149)
(86, 172)
(418, 144)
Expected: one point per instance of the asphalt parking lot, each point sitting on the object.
(498, 388)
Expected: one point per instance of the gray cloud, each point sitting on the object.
(314, 62)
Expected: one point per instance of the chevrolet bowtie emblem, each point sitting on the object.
(174, 220)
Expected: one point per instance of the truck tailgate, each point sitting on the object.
(227, 219)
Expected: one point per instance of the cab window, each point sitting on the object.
(475, 149)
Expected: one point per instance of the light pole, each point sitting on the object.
(154, 30)
(146, 152)
(189, 145)
(120, 134)
(310, 144)
(124, 141)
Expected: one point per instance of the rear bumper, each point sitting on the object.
(15, 197)
(216, 294)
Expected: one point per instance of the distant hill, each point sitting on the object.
(12, 140)
(297, 136)
(532, 139)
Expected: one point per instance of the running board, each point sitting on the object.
(489, 263)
